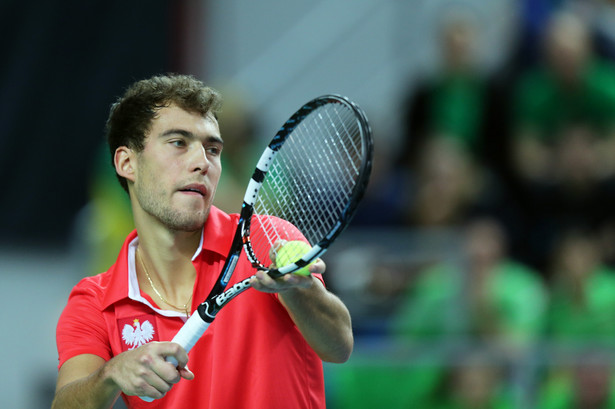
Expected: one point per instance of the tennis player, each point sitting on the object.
(264, 350)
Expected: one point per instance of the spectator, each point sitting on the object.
(447, 185)
(489, 296)
(239, 125)
(478, 382)
(582, 308)
(572, 85)
(451, 103)
(448, 188)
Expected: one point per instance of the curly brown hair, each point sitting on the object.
(131, 116)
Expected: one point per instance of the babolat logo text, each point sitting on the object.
(231, 292)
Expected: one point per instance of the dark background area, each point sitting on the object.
(64, 63)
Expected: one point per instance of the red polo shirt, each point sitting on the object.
(252, 356)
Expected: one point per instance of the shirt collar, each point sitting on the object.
(216, 237)
(217, 233)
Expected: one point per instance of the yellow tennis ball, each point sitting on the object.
(291, 252)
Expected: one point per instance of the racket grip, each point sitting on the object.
(191, 332)
(187, 336)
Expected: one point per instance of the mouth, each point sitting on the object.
(195, 189)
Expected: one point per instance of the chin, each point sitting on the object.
(187, 227)
(188, 222)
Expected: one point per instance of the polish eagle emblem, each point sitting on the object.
(138, 333)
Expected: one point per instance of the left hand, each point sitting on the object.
(263, 282)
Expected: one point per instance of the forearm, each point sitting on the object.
(95, 391)
(322, 318)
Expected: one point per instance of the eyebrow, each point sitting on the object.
(190, 135)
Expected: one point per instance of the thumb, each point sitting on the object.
(186, 373)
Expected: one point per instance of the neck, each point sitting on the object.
(186, 307)
(164, 266)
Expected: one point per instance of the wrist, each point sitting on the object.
(106, 376)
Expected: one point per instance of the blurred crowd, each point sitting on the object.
(520, 162)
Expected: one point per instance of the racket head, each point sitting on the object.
(308, 182)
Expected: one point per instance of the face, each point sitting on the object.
(176, 174)
(567, 48)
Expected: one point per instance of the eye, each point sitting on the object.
(178, 143)
(214, 150)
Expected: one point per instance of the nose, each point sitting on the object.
(199, 162)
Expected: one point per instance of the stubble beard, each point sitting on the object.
(172, 218)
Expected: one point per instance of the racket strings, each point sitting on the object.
(350, 168)
(311, 180)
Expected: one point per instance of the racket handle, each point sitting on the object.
(187, 336)
(191, 332)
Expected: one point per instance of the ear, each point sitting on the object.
(125, 163)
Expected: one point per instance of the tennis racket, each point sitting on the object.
(310, 178)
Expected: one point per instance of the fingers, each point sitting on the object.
(159, 381)
(174, 367)
(318, 267)
(273, 251)
(172, 349)
(181, 357)
(186, 373)
(146, 372)
(263, 282)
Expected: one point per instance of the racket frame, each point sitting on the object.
(218, 296)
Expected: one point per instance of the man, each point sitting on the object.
(264, 349)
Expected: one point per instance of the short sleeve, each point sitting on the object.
(81, 328)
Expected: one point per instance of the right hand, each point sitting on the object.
(145, 372)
